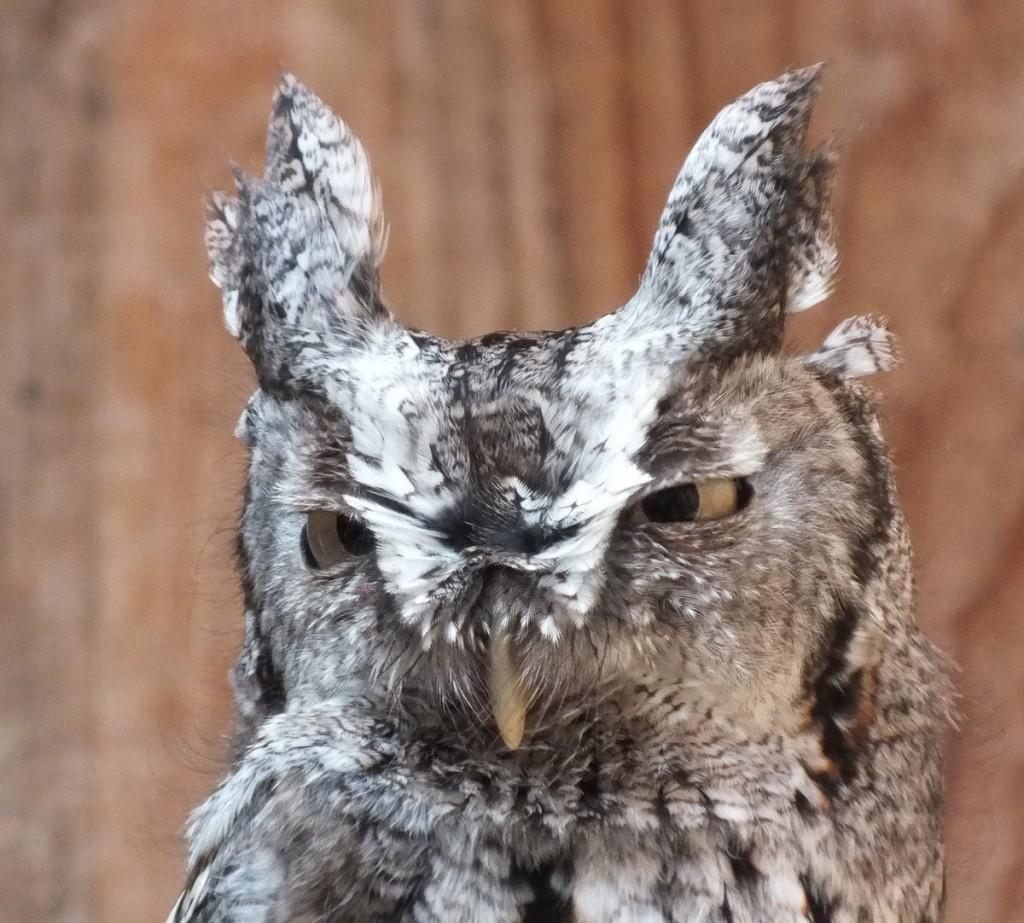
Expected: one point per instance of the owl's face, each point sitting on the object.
(499, 531)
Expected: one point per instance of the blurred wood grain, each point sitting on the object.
(525, 149)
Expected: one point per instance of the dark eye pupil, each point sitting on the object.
(674, 504)
(328, 538)
(355, 537)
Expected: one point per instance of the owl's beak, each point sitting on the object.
(508, 703)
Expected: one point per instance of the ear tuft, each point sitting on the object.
(859, 346)
(813, 256)
(750, 136)
(222, 250)
(745, 234)
(299, 249)
(311, 151)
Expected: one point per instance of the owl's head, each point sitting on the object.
(498, 531)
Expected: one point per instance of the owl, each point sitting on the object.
(610, 624)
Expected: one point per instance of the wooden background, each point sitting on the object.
(525, 150)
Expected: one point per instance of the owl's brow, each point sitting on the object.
(705, 444)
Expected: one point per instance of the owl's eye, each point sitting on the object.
(328, 538)
(712, 498)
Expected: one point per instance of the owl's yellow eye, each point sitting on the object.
(328, 538)
(712, 498)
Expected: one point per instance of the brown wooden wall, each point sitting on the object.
(525, 149)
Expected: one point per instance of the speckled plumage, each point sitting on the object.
(729, 721)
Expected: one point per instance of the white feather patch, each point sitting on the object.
(859, 346)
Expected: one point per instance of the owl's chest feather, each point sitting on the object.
(697, 819)
(682, 819)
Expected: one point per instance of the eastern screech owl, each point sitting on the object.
(605, 624)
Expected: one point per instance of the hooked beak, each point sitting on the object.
(508, 703)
